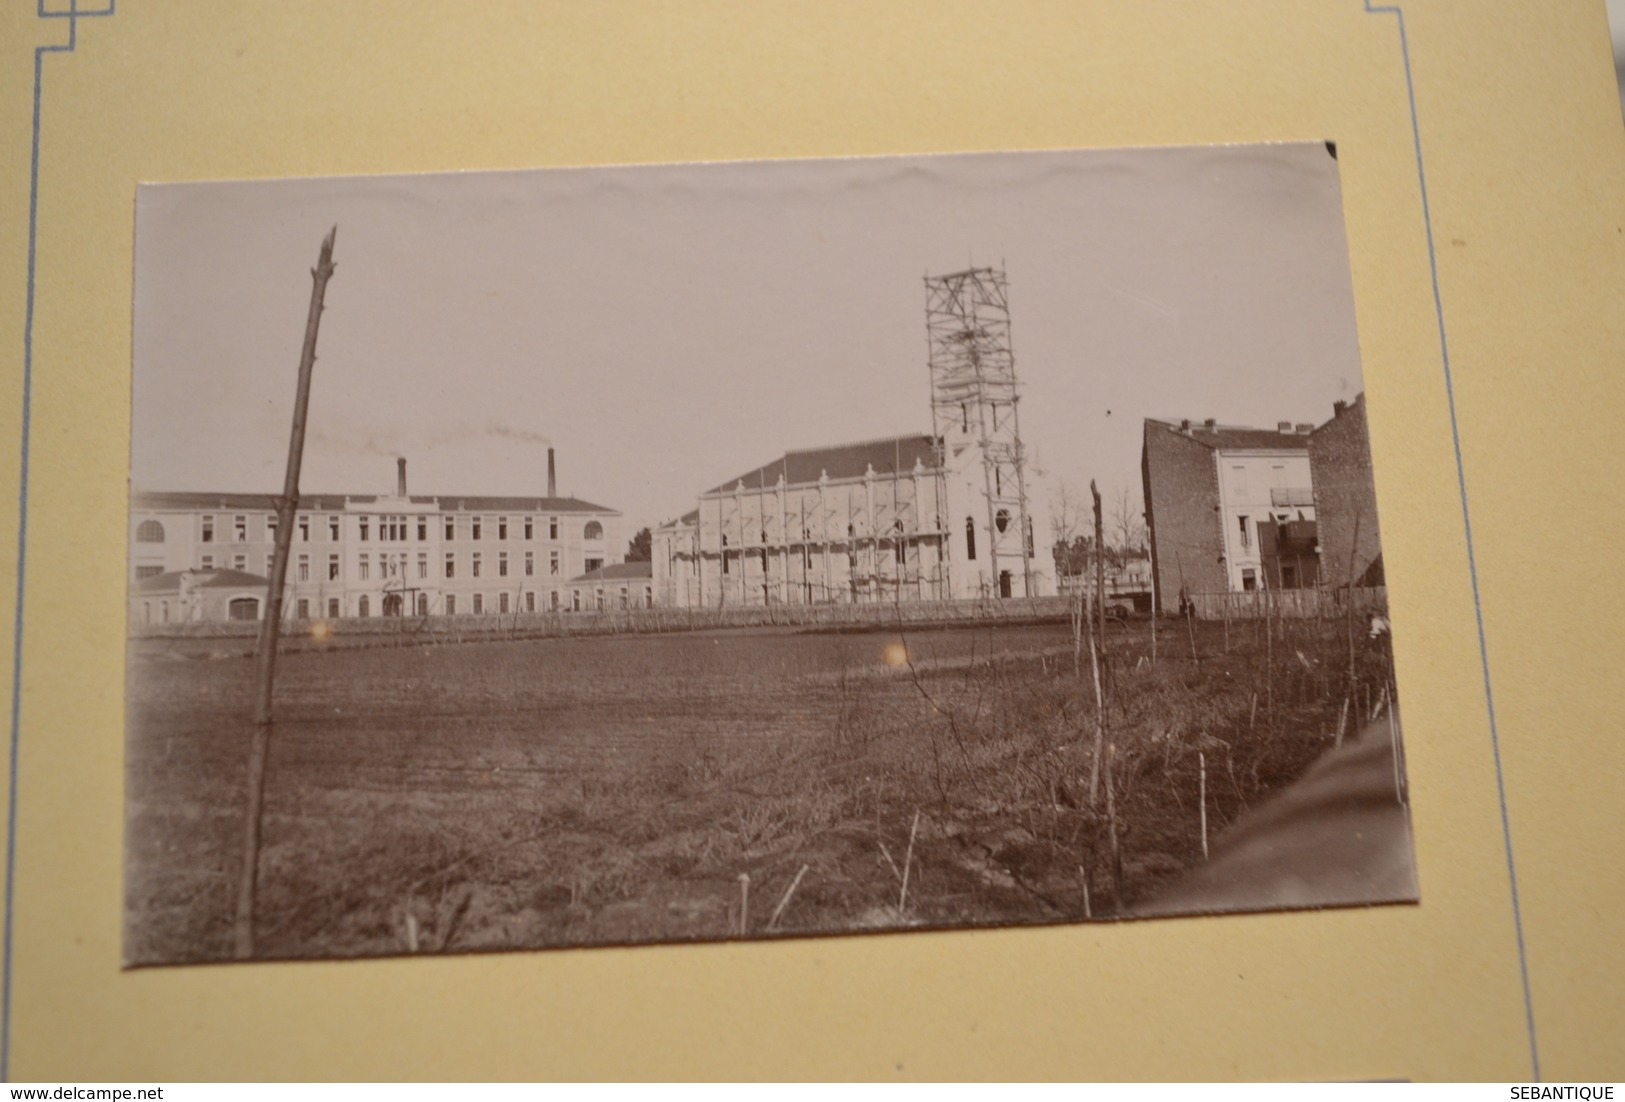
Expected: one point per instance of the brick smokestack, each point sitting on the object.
(552, 476)
(400, 477)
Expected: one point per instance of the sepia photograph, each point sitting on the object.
(648, 554)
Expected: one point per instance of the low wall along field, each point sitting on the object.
(762, 780)
(388, 630)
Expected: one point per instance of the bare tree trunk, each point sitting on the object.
(1156, 610)
(1100, 724)
(1348, 615)
(286, 508)
(1111, 827)
(1100, 567)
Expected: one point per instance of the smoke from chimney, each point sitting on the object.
(400, 476)
(552, 476)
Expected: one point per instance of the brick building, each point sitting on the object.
(1346, 497)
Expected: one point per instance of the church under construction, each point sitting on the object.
(953, 515)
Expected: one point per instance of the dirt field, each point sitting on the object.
(600, 790)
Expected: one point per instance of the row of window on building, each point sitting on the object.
(390, 529)
(392, 567)
(479, 604)
(393, 604)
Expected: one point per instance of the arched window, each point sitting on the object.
(970, 538)
(244, 608)
(149, 531)
(1001, 519)
(899, 548)
(363, 608)
(593, 531)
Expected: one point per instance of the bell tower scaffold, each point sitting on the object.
(973, 404)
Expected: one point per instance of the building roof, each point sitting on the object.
(450, 504)
(1235, 437)
(315, 503)
(619, 571)
(170, 582)
(1341, 409)
(886, 455)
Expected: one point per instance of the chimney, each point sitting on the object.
(552, 476)
(400, 477)
(1283, 426)
(1304, 428)
(1211, 424)
(1338, 407)
(1185, 425)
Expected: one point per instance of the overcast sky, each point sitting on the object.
(669, 327)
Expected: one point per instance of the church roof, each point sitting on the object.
(887, 455)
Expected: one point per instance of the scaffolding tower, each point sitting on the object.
(973, 400)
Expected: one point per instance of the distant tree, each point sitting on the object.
(1128, 524)
(640, 549)
(1072, 557)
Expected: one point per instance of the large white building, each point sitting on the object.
(369, 554)
(949, 515)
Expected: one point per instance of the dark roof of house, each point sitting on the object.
(312, 503)
(617, 572)
(887, 455)
(1235, 437)
(211, 579)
